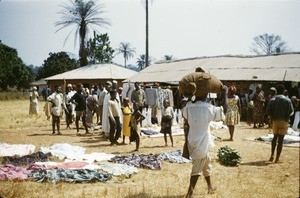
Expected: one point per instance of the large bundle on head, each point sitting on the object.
(199, 84)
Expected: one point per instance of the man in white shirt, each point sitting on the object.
(56, 111)
(199, 114)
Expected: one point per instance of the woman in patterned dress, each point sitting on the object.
(259, 107)
(233, 111)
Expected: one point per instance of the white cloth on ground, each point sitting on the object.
(118, 169)
(63, 151)
(16, 149)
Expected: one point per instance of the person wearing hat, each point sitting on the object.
(105, 115)
(100, 102)
(56, 99)
(105, 121)
(33, 98)
(68, 106)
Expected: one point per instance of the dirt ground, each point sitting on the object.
(254, 177)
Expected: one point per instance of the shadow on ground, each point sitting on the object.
(257, 163)
(145, 195)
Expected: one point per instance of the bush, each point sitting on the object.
(14, 95)
(229, 156)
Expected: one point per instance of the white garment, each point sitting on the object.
(16, 149)
(64, 151)
(102, 96)
(296, 120)
(57, 100)
(199, 116)
(127, 90)
(105, 121)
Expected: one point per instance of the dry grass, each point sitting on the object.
(253, 178)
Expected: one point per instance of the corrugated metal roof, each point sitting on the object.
(255, 68)
(97, 71)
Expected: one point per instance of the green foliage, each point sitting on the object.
(13, 72)
(229, 156)
(99, 49)
(141, 61)
(57, 63)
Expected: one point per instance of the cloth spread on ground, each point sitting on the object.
(154, 131)
(292, 137)
(71, 175)
(174, 157)
(14, 173)
(150, 161)
(27, 159)
(74, 153)
(118, 169)
(16, 149)
(63, 151)
(63, 165)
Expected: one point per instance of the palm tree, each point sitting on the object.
(141, 61)
(126, 50)
(83, 15)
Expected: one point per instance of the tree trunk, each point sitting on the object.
(82, 49)
(147, 35)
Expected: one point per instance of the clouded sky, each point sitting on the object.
(182, 28)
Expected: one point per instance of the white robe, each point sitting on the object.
(105, 120)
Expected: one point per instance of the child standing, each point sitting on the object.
(166, 121)
(126, 109)
(114, 118)
(136, 118)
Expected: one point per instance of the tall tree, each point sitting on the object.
(99, 49)
(141, 61)
(13, 72)
(83, 15)
(57, 63)
(146, 2)
(268, 44)
(126, 50)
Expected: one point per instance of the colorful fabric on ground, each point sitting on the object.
(14, 173)
(118, 169)
(26, 160)
(174, 157)
(75, 175)
(63, 165)
(16, 149)
(150, 161)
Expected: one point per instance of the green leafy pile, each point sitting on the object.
(229, 156)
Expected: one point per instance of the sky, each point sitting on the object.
(181, 28)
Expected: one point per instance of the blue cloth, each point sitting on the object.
(70, 175)
(150, 161)
(174, 157)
